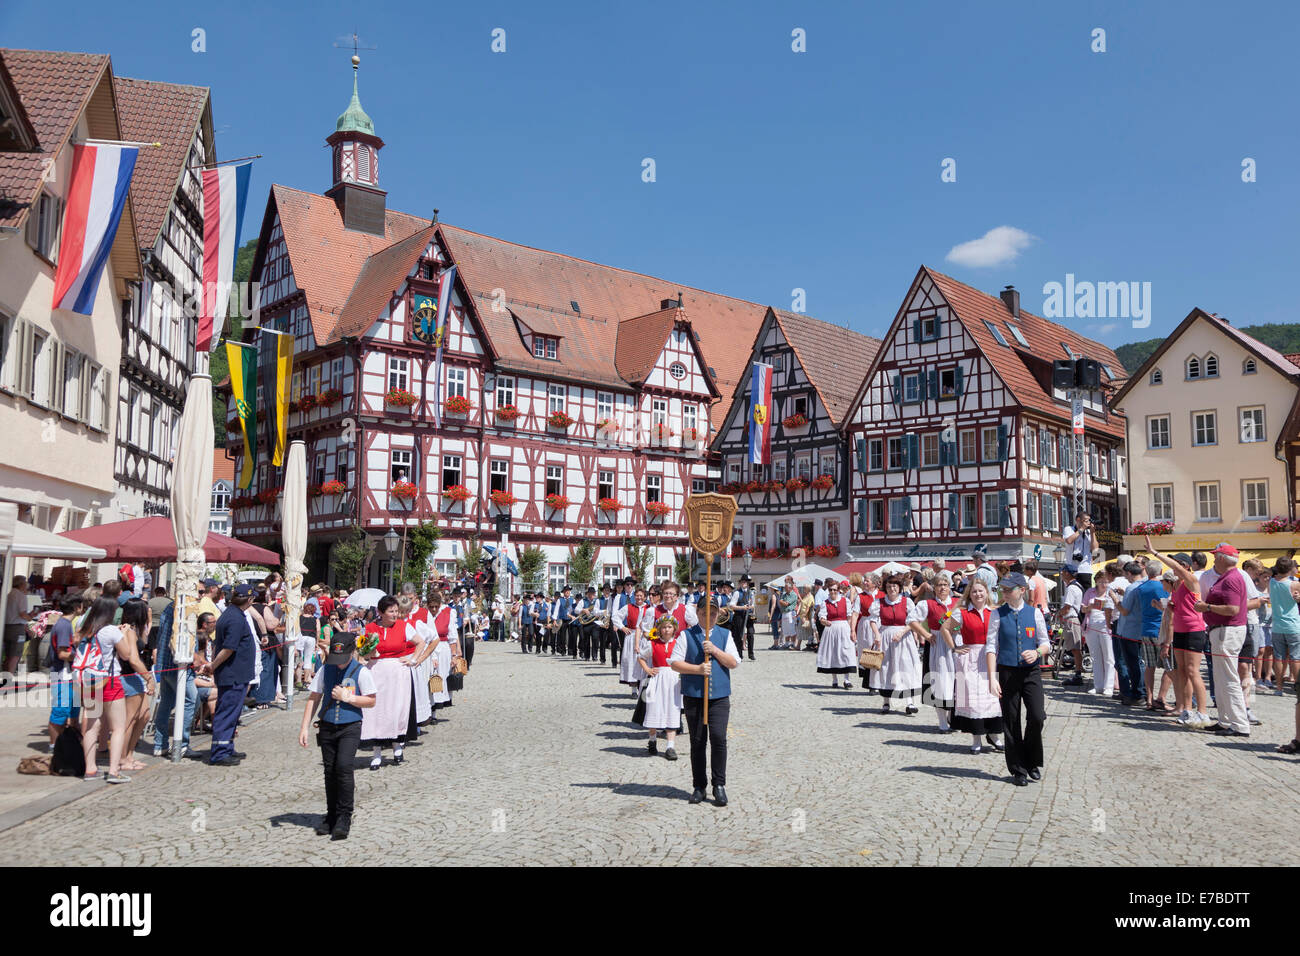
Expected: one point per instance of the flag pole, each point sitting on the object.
(117, 142)
(224, 162)
(708, 617)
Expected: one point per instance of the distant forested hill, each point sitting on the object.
(1284, 338)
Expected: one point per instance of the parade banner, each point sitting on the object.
(242, 360)
(760, 414)
(277, 367)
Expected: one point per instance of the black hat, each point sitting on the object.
(565, 588)
(1013, 580)
(341, 648)
(242, 590)
(1182, 557)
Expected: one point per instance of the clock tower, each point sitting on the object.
(355, 155)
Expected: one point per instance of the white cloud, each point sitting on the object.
(996, 247)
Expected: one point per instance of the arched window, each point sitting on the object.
(1211, 366)
(1157, 377)
(1248, 367)
(1193, 367)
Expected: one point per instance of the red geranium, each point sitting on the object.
(507, 413)
(558, 420)
(610, 505)
(333, 488)
(502, 499)
(557, 502)
(456, 493)
(824, 482)
(399, 396)
(458, 405)
(798, 420)
(657, 509)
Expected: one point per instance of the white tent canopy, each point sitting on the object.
(30, 541)
(805, 575)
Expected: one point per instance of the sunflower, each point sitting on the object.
(654, 634)
(366, 643)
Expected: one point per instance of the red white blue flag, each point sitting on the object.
(760, 407)
(224, 191)
(101, 180)
(445, 284)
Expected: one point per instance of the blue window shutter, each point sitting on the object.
(1002, 443)
(959, 383)
(862, 516)
(934, 383)
(916, 330)
(1066, 457)
(1044, 444)
(898, 389)
(913, 444)
(938, 327)
(921, 385)
(947, 453)
(1004, 508)
(862, 455)
(907, 513)
(952, 512)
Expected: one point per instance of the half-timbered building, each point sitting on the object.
(159, 326)
(801, 498)
(577, 398)
(959, 437)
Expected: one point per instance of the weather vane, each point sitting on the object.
(353, 41)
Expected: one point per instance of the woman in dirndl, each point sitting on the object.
(926, 621)
(977, 711)
(397, 648)
(663, 686)
(900, 671)
(445, 627)
(408, 608)
(627, 621)
(868, 594)
(837, 652)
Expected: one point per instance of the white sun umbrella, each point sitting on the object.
(293, 536)
(805, 575)
(365, 597)
(191, 507)
(892, 567)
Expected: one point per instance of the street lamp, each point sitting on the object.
(391, 541)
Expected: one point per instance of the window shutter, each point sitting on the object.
(913, 455)
(58, 355)
(1004, 508)
(952, 512)
(1111, 458)
(938, 327)
(1044, 448)
(916, 330)
(1002, 443)
(907, 513)
(959, 383)
(947, 453)
(862, 455)
(862, 515)
(933, 388)
(923, 385)
(1066, 449)
(897, 387)
(25, 339)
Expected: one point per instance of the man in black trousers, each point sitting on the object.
(605, 635)
(742, 611)
(1016, 643)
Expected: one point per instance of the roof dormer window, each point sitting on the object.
(1157, 377)
(544, 347)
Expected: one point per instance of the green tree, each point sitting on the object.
(639, 557)
(420, 543)
(682, 568)
(582, 565)
(349, 557)
(532, 567)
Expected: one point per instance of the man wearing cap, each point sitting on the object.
(1071, 626)
(983, 570)
(1017, 640)
(234, 650)
(346, 687)
(566, 637)
(742, 617)
(1224, 607)
(1080, 539)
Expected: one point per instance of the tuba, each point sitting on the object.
(586, 616)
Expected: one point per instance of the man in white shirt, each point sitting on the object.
(984, 571)
(1080, 539)
(1016, 643)
(1069, 616)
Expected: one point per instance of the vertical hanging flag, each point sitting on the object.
(760, 405)
(242, 360)
(445, 285)
(224, 192)
(277, 383)
(101, 181)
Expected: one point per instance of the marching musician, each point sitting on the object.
(543, 631)
(564, 613)
(587, 626)
(742, 616)
(604, 633)
(525, 620)
(704, 644)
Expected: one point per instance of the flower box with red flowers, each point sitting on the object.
(404, 490)
(557, 502)
(825, 551)
(753, 487)
(331, 396)
(399, 397)
(1280, 525)
(607, 425)
(824, 482)
(313, 491)
(502, 499)
(559, 420)
(333, 488)
(660, 431)
(657, 509)
(774, 486)
(506, 413)
(455, 493)
(692, 434)
(609, 505)
(796, 484)
(458, 405)
(267, 495)
(294, 406)
(306, 403)
(728, 488)
(1151, 527)
(798, 420)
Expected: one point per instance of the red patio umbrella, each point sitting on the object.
(151, 539)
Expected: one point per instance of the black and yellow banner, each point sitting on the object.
(277, 384)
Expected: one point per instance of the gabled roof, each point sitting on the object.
(1014, 363)
(641, 339)
(54, 89)
(381, 276)
(223, 468)
(327, 258)
(1282, 364)
(166, 113)
(834, 358)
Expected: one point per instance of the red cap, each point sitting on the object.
(1228, 550)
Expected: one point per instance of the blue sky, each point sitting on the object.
(778, 170)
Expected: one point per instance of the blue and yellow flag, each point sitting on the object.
(243, 397)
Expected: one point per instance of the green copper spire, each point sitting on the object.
(354, 118)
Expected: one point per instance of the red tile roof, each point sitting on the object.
(165, 113)
(1283, 363)
(223, 468)
(54, 89)
(1293, 358)
(641, 339)
(1012, 362)
(382, 275)
(835, 359)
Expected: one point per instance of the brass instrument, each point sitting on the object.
(586, 616)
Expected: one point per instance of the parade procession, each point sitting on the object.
(335, 506)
